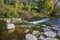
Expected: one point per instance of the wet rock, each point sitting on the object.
(42, 36)
(50, 33)
(45, 28)
(26, 31)
(43, 25)
(10, 26)
(53, 25)
(30, 37)
(8, 20)
(56, 28)
(50, 39)
(35, 32)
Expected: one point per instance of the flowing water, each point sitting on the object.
(55, 21)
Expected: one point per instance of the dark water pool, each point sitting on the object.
(56, 21)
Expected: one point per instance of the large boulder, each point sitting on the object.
(35, 32)
(26, 31)
(42, 36)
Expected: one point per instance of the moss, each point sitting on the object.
(18, 34)
(36, 28)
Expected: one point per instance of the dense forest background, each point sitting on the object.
(29, 8)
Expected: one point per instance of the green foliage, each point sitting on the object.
(21, 6)
(45, 7)
(9, 11)
(28, 7)
(2, 25)
(2, 16)
(34, 12)
(12, 15)
(42, 4)
(57, 10)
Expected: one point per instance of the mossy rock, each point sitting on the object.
(36, 28)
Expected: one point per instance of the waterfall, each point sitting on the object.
(39, 21)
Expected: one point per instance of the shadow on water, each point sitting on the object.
(56, 21)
